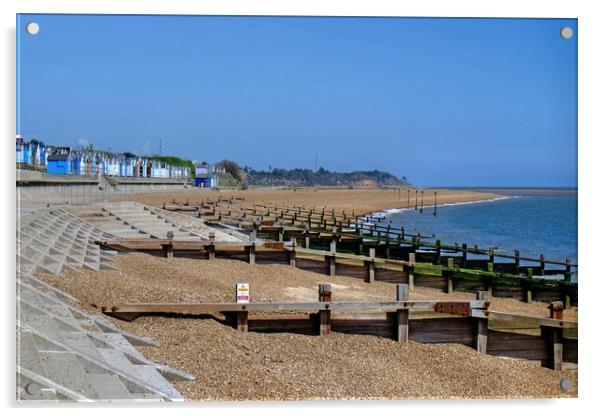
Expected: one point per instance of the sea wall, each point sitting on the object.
(49, 188)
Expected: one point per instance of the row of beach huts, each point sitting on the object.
(35, 154)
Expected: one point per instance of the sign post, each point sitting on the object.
(242, 293)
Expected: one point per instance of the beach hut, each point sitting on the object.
(20, 148)
(82, 164)
(59, 162)
(42, 155)
(26, 152)
(75, 163)
(121, 165)
(130, 164)
(202, 175)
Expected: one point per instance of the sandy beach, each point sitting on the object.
(359, 200)
(296, 367)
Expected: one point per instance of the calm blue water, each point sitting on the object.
(533, 224)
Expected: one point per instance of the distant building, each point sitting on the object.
(204, 176)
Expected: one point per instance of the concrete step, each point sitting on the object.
(109, 386)
(27, 354)
(65, 368)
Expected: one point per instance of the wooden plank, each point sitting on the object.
(523, 321)
(297, 325)
(446, 330)
(570, 351)
(350, 270)
(380, 327)
(312, 265)
(209, 308)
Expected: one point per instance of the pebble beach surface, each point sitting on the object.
(231, 365)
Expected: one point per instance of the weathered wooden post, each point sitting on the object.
(416, 206)
(369, 265)
(438, 251)
(281, 231)
(567, 278)
(360, 247)
(412, 261)
(449, 276)
(168, 248)
(554, 335)
(251, 249)
(464, 255)
(306, 234)
(481, 325)
(527, 291)
(292, 254)
(331, 258)
(240, 318)
(388, 242)
(403, 314)
(254, 231)
(516, 262)
(324, 295)
(211, 247)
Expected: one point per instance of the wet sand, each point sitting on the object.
(362, 201)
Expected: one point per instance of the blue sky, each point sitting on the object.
(441, 101)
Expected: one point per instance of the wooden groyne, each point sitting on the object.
(551, 341)
(358, 233)
(369, 268)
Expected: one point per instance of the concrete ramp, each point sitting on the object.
(130, 220)
(66, 354)
(53, 239)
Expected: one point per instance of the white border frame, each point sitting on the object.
(590, 33)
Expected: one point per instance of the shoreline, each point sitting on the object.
(523, 191)
(388, 211)
(356, 201)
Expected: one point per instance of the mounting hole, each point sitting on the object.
(32, 28)
(32, 388)
(566, 32)
(566, 384)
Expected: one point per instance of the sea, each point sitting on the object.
(534, 223)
